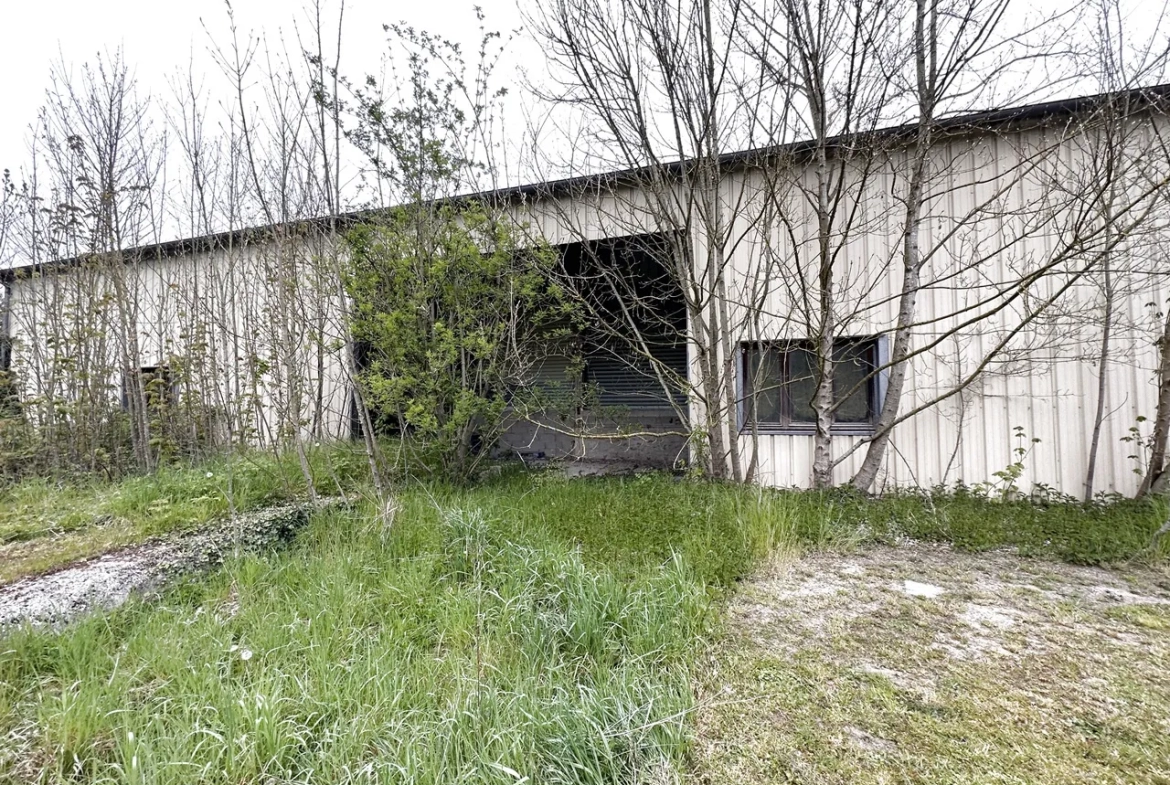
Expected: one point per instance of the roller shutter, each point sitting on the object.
(635, 385)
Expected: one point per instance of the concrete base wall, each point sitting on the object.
(659, 442)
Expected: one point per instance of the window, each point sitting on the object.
(779, 382)
(633, 382)
(158, 387)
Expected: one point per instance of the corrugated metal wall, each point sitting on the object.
(990, 191)
(1046, 386)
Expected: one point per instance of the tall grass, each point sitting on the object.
(477, 636)
(760, 521)
(533, 627)
(1107, 531)
(173, 497)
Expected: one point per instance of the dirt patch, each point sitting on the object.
(109, 580)
(973, 604)
(922, 664)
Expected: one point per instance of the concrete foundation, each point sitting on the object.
(657, 440)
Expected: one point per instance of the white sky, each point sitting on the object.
(160, 38)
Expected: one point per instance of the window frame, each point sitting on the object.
(876, 350)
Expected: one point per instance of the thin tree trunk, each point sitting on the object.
(822, 403)
(1102, 384)
(1158, 473)
(712, 371)
(912, 260)
(907, 304)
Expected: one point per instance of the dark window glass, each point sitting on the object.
(854, 362)
(780, 382)
(763, 375)
(801, 383)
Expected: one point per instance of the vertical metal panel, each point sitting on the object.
(1049, 396)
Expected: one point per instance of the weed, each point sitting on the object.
(449, 650)
(44, 524)
(528, 627)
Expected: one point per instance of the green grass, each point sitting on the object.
(543, 629)
(44, 524)
(1105, 532)
(528, 627)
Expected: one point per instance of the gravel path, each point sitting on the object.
(108, 581)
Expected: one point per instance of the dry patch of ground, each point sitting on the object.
(922, 664)
(106, 582)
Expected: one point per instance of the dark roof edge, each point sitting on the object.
(983, 120)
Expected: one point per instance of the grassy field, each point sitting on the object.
(46, 524)
(531, 627)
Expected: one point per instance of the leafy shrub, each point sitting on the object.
(448, 328)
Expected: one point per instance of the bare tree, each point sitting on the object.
(1157, 474)
(941, 66)
(7, 213)
(661, 88)
(327, 85)
(292, 295)
(91, 196)
(1156, 477)
(1119, 63)
(829, 52)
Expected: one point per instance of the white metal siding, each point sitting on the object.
(1050, 392)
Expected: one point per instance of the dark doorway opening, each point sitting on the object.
(631, 354)
(634, 343)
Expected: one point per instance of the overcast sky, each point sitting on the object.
(159, 38)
